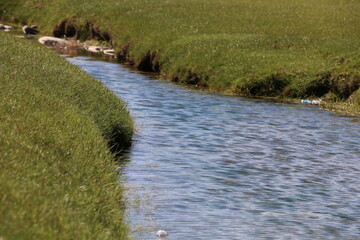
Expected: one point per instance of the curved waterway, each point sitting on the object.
(205, 166)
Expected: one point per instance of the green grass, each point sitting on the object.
(57, 177)
(275, 48)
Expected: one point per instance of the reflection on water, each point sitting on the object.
(206, 166)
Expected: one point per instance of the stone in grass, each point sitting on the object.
(33, 30)
(5, 28)
(94, 49)
(51, 41)
(110, 52)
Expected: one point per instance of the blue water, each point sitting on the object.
(206, 166)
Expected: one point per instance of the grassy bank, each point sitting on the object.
(276, 48)
(57, 175)
(281, 48)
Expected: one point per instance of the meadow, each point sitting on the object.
(58, 177)
(280, 48)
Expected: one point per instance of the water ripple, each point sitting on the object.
(206, 166)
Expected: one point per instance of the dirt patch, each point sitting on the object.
(65, 28)
(318, 87)
(149, 63)
(73, 28)
(342, 85)
(190, 77)
(270, 86)
(123, 55)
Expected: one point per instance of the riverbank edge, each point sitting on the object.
(61, 130)
(85, 29)
(266, 87)
(195, 80)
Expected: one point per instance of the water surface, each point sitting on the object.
(206, 166)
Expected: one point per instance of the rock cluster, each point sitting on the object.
(98, 49)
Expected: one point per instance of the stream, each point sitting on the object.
(206, 166)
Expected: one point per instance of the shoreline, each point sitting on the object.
(60, 132)
(148, 63)
(256, 60)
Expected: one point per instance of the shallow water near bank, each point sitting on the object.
(208, 166)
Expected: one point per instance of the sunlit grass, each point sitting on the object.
(57, 176)
(232, 45)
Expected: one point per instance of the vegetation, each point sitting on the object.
(276, 48)
(57, 177)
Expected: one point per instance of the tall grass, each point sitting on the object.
(57, 175)
(232, 46)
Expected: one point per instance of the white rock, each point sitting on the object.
(316, 102)
(110, 52)
(94, 49)
(5, 28)
(51, 41)
(161, 234)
